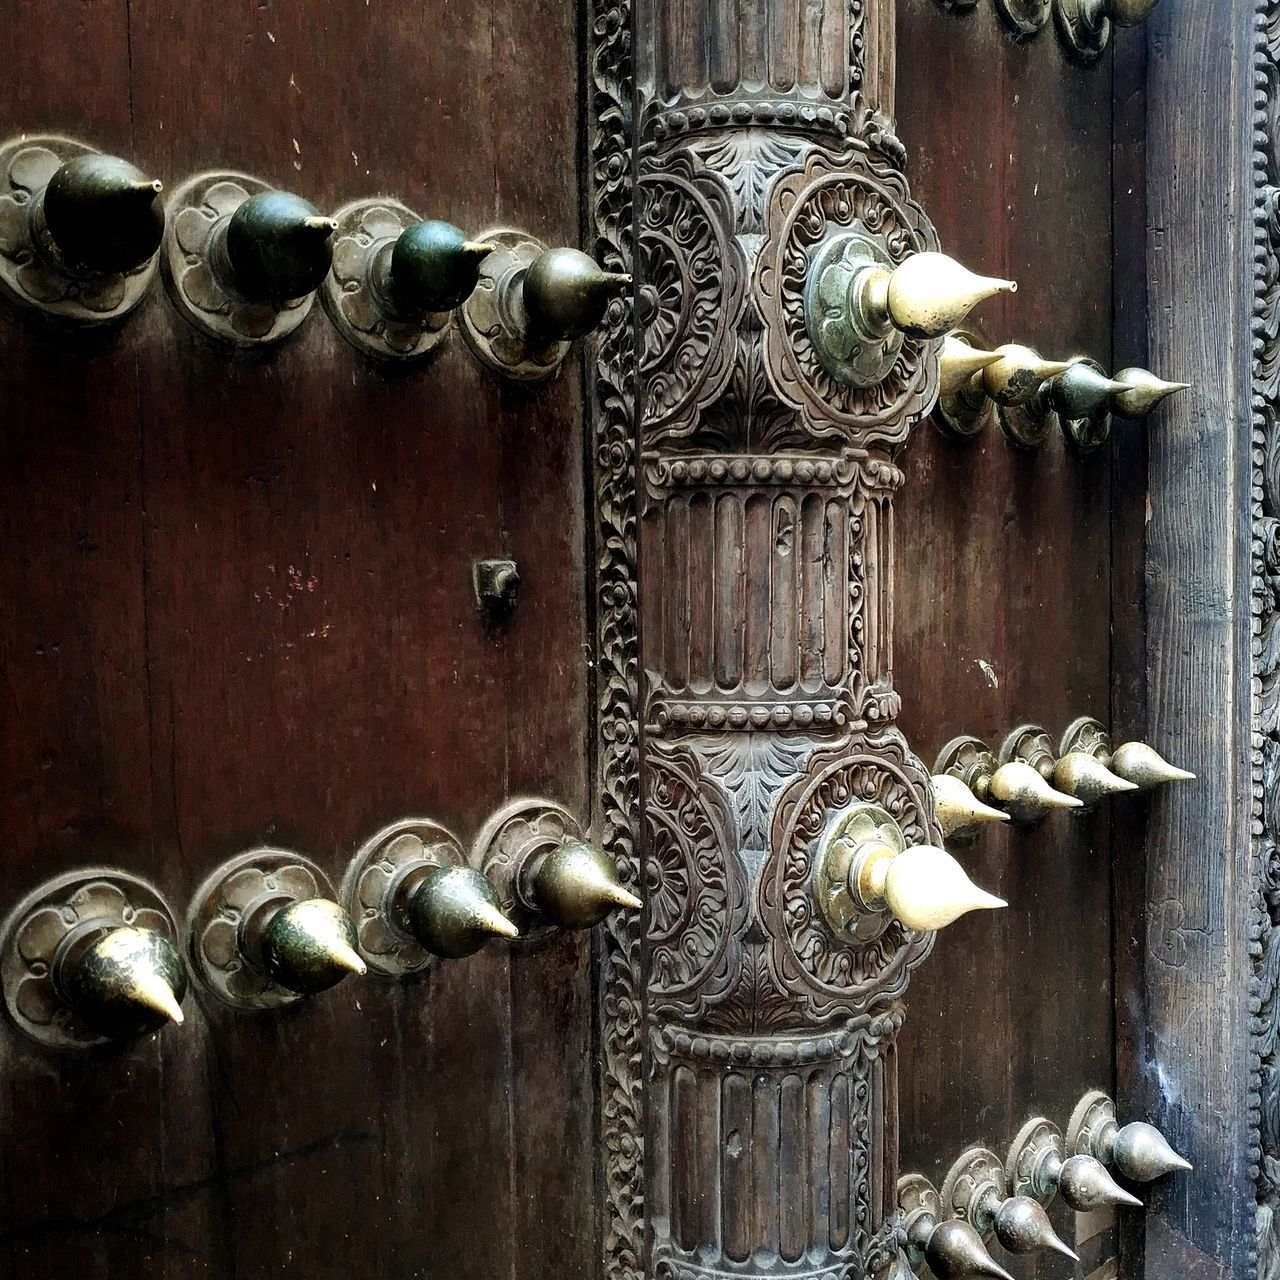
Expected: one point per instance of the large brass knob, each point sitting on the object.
(79, 230)
(952, 1249)
(532, 302)
(244, 260)
(547, 871)
(397, 278)
(865, 869)
(1137, 1151)
(1139, 765)
(90, 957)
(414, 895)
(974, 1191)
(1038, 1167)
(264, 930)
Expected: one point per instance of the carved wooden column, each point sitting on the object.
(745, 504)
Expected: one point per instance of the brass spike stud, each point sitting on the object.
(926, 296)
(1029, 799)
(264, 930)
(1038, 1167)
(1018, 374)
(547, 870)
(277, 247)
(90, 957)
(1014, 787)
(397, 278)
(1084, 776)
(414, 896)
(963, 408)
(952, 1249)
(1135, 762)
(865, 869)
(961, 815)
(79, 229)
(1085, 25)
(1081, 400)
(975, 1192)
(566, 292)
(1141, 391)
(1137, 1151)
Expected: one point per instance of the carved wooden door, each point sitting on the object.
(797, 564)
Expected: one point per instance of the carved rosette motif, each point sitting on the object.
(832, 192)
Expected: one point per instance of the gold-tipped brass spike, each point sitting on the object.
(928, 294)
(955, 1252)
(1141, 1153)
(278, 247)
(125, 981)
(1081, 391)
(1025, 796)
(310, 946)
(566, 292)
(1085, 1185)
(455, 911)
(1022, 1226)
(926, 888)
(961, 815)
(1085, 777)
(958, 361)
(1140, 392)
(1018, 374)
(103, 214)
(1145, 767)
(576, 885)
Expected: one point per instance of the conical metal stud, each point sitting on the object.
(278, 247)
(926, 888)
(1086, 778)
(958, 361)
(961, 814)
(1018, 374)
(1143, 1154)
(455, 911)
(1085, 1185)
(566, 292)
(1141, 391)
(1145, 767)
(1081, 391)
(432, 267)
(955, 1252)
(125, 982)
(1022, 1226)
(929, 294)
(310, 946)
(1027, 798)
(103, 214)
(576, 886)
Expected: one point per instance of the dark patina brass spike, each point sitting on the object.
(1143, 1154)
(1082, 390)
(310, 946)
(577, 885)
(125, 982)
(455, 911)
(1022, 1226)
(278, 247)
(433, 267)
(103, 214)
(1140, 392)
(1085, 1185)
(565, 294)
(955, 1252)
(1085, 777)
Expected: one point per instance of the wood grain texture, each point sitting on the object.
(238, 609)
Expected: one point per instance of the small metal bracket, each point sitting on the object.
(230, 908)
(971, 760)
(964, 1189)
(1082, 40)
(30, 268)
(35, 936)
(509, 848)
(494, 322)
(497, 588)
(1087, 735)
(853, 349)
(841, 848)
(1030, 744)
(198, 215)
(367, 229)
(1024, 18)
(1087, 1131)
(1027, 425)
(1031, 1156)
(921, 1205)
(379, 883)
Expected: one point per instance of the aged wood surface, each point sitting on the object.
(238, 610)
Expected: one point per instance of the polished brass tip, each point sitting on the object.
(960, 812)
(129, 981)
(1145, 767)
(930, 293)
(1022, 1226)
(1143, 1154)
(478, 248)
(1019, 373)
(955, 1252)
(1085, 777)
(152, 992)
(577, 885)
(1085, 1185)
(926, 888)
(327, 225)
(1142, 392)
(958, 362)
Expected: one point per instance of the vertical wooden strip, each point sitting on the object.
(784, 580)
(835, 592)
(793, 1161)
(737, 1152)
(840, 1155)
(729, 592)
(685, 1217)
(675, 648)
(812, 606)
(765, 1135)
(758, 545)
(702, 592)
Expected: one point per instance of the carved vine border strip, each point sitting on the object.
(611, 409)
(1264, 1066)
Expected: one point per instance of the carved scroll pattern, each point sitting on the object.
(1265, 984)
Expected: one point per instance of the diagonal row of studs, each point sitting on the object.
(1084, 26)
